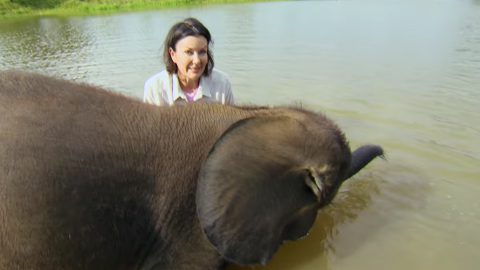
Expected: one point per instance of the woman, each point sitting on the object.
(189, 75)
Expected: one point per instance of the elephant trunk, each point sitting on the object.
(362, 156)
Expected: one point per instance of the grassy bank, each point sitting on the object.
(10, 8)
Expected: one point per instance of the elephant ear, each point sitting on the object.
(257, 189)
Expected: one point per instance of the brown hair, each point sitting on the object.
(185, 28)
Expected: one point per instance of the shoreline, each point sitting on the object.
(79, 7)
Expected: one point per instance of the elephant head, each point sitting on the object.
(266, 177)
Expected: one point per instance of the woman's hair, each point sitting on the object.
(188, 27)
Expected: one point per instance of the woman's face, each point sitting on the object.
(190, 56)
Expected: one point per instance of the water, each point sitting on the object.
(403, 74)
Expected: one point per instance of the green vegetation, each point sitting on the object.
(73, 7)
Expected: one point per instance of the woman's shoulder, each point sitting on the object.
(217, 76)
(160, 76)
(219, 73)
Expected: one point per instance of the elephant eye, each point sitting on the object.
(315, 182)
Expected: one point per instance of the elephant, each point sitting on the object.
(91, 178)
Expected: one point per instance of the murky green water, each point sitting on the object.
(404, 74)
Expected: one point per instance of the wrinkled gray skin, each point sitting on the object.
(91, 179)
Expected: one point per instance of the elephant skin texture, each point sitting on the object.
(91, 179)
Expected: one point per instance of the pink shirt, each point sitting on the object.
(190, 96)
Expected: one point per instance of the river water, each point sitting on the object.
(403, 74)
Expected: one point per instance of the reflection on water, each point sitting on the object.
(45, 45)
(403, 74)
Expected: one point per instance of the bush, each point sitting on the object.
(39, 4)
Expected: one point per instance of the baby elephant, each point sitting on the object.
(91, 179)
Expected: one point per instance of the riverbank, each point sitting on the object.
(12, 8)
